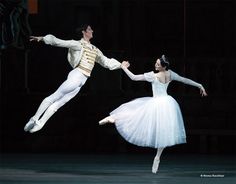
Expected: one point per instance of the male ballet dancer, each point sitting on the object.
(82, 56)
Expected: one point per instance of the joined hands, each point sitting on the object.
(125, 64)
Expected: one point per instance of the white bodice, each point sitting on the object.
(159, 88)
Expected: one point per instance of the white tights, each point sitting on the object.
(159, 152)
(62, 95)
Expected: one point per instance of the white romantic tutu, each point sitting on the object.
(151, 122)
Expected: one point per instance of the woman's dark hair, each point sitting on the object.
(164, 62)
(79, 30)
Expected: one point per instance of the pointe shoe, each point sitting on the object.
(29, 125)
(37, 126)
(155, 165)
(108, 119)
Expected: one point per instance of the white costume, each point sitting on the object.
(82, 56)
(152, 121)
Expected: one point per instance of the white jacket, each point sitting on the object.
(76, 50)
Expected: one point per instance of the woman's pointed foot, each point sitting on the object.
(155, 165)
(108, 119)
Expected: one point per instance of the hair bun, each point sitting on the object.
(163, 57)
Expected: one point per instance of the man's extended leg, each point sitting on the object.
(72, 85)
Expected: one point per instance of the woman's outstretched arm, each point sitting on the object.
(175, 76)
(140, 77)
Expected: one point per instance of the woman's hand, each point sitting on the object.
(125, 64)
(36, 38)
(203, 92)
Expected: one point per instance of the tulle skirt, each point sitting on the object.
(150, 122)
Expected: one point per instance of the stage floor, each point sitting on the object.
(115, 169)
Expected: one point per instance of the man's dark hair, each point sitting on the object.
(79, 30)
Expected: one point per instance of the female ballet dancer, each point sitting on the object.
(82, 56)
(152, 121)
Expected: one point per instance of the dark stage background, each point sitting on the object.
(197, 35)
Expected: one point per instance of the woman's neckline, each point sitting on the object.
(160, 81)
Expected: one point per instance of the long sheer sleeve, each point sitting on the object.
(176, 77)
(52, 40)
(133, 77)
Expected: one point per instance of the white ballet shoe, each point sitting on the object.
(155, 165)
(29, 125)
(108, 119)
(37, 126)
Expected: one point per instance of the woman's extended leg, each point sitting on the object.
(107, 119)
